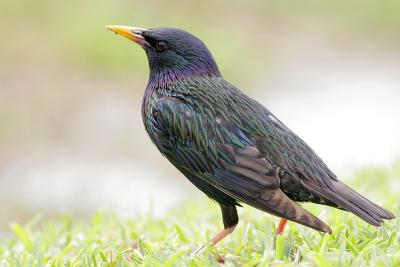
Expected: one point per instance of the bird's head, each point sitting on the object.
(172, 53)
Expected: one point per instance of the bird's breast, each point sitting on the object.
(148, 103)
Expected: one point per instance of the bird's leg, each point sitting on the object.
(221, 235)
(281, 226)
(230, 219)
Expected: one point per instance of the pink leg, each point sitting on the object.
(221, 235)
(281, 226)
(218, 237)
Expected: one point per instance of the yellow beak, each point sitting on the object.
(132, 33)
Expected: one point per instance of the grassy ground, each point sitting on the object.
(171, 241)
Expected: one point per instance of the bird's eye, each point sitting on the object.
(161, 46)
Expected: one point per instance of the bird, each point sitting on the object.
(229, 145)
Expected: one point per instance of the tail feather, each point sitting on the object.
(352, 201)
(381, 212)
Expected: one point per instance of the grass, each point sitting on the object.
(108, 240)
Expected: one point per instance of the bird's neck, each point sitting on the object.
(164, 77)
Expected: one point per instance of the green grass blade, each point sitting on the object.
(23, 236)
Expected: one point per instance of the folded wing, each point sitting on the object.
(222, 161)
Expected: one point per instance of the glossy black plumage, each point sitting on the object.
(229, 145)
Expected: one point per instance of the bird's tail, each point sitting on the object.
(350, 200)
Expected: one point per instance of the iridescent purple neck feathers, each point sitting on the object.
(162, 77)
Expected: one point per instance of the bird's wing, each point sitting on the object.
(208, 148)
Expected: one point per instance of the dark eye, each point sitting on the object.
(161, 46)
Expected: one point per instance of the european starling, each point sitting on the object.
(229, 145)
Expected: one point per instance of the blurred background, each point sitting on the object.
(71, 135)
